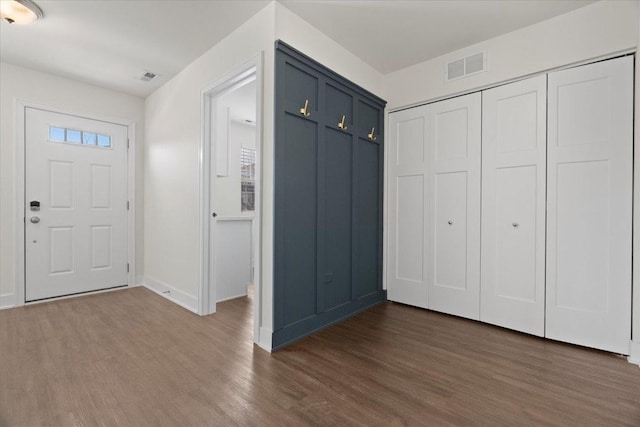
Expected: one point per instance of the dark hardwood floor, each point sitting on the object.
(132, 358)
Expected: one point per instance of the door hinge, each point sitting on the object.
(127, 267)
(127, 143)
(127, 205)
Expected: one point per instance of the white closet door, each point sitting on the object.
(589, 205)
(408, 204)
(513, 205)
(454, 213)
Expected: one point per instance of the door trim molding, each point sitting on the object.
(207, 289)
(634, 352)
(19, 108)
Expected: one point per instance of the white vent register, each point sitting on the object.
(147, 76)
(466, 66)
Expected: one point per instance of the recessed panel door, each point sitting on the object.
(407, 206)
(513, 205)
(453, 221)
(589, 191)
(76, 205)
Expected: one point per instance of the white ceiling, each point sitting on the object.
(391, 35)
(110, 43)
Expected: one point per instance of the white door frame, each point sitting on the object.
(207, 288)
(20, 107)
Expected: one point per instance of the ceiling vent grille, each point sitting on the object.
(467, 66)
(147, 76)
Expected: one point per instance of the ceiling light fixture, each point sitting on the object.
(20, 11)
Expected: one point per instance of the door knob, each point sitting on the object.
(515, 225)
(450, 222)
(214, 214)
(34, 219)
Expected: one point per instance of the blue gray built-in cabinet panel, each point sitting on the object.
(328, 197)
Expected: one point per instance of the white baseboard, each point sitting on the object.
(634, 353)
(184, 300)
(233, 297)
(265, 342)
(7, 301)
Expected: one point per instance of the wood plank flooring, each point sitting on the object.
(132, 358)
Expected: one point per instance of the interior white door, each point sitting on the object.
(513, 205)
(408, 203)
(453, 220)
(76, 170)
(589, 218)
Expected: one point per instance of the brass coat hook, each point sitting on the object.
(372, 135)
(303, 110)
(341, 124)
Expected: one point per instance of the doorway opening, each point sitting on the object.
(230, 195)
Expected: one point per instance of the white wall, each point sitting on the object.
(297, 32)
(227, 188)
(598, 29)
(172, 158)
(28, 85)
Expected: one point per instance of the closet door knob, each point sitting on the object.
(303, 110)
(515, 224)
(450, 222)
(341, 124)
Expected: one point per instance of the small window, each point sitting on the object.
(248, 179)
(73, 136)
(104, 141)
(88, 138)
(58, 134)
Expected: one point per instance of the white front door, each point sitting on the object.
(589, 205)
(76, 205)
